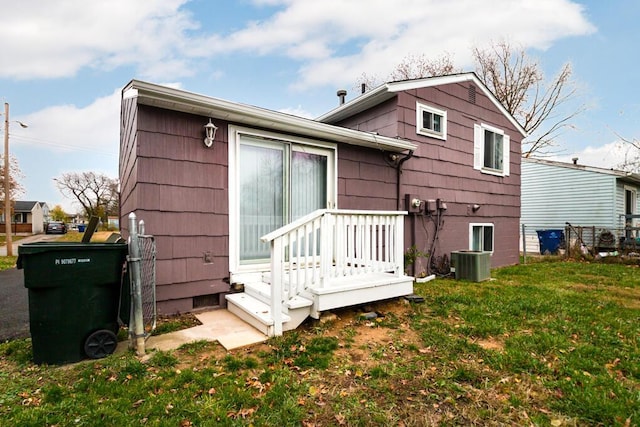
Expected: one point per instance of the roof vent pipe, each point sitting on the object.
(575, 160)
(363, 88)
(341, 95)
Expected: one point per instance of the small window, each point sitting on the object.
(431, 121)
(491, 150)
(481, 237)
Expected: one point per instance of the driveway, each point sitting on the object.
(14, 305)
(14, 297)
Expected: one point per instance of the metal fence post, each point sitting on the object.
(136, 322)
(524, 245)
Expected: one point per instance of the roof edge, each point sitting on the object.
(388, 90)
(189, 102)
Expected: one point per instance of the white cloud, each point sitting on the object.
(611, 155)
(333, 40)
(315, 32)
(57, 39)
(72, 128)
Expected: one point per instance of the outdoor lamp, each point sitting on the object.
(210, 133)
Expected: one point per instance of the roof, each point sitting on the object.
(24, 206)
(179, 100)
(389, 90)
(626, 176)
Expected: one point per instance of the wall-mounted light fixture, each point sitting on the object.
(475, 208)
(210, 133)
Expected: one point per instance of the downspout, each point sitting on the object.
(399, 172)
(413, 226)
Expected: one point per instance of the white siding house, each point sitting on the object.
(554, 193)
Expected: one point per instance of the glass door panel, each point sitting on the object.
(262, 206)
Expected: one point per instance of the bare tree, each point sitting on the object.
(418, 66)
(537, 104)
(543, 107)
(95, 192)
(412, 66)
(631, 161)
(15, 176)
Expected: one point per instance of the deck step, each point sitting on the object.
(253, 311)
(262, 292)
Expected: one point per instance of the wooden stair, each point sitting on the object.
(253, 306)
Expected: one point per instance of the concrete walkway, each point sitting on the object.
(217, 325)
(32, 238)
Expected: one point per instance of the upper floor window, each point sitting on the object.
(431, 121)
(491, 150)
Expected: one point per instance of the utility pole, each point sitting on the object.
(7, 187)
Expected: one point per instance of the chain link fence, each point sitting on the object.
(572, 241)
(148, 281)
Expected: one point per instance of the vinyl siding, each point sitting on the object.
(553, 195)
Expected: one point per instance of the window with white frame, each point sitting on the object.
(491, 150)
(431, 121)
(481, 237)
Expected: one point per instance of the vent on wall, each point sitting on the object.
(474, 266)
(211, 300)
(472, 94)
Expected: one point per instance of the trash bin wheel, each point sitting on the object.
(100, 343)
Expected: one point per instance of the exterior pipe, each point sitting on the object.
(399, 171)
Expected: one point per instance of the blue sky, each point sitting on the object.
(64, 63)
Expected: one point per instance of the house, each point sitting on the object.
(309, 215)
(28, 217)
(554, 193)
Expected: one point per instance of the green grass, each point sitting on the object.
(549, 343)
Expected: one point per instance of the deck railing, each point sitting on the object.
(329, 244)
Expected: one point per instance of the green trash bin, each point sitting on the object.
(74, 291)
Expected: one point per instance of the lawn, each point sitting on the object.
(549, 343)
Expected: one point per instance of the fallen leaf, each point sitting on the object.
(556, 423)
(138, 403)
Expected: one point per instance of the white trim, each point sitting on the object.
(313, 146)
(247, 115)
(482, 224)
(421, 130)
(388, 91)
(478, 150)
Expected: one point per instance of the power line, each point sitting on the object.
(60, 145)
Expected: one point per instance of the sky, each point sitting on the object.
(64, 63)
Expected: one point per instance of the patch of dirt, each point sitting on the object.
(490, 344)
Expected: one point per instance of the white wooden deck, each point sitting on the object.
(326, 260)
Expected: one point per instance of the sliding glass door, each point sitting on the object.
(279, 182)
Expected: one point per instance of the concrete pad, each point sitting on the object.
(217, 325)
(230, 331)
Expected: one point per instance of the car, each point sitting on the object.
(56, 227)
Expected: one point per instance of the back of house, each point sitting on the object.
(441, 150)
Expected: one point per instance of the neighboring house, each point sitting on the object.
(554, 193)
(310, 215)
(28, 217)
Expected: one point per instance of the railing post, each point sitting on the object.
(399, 246)
(136, 325)
(276, 285)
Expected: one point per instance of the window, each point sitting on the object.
(431, 121)
(491, 150)
(481, 237)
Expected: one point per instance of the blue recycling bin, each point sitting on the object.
(550, 241)
(81, 228)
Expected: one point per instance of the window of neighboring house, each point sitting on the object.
(481, 237)
(491, 150)
(431, 121)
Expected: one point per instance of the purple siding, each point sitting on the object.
(439, 170)
(179, 188)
